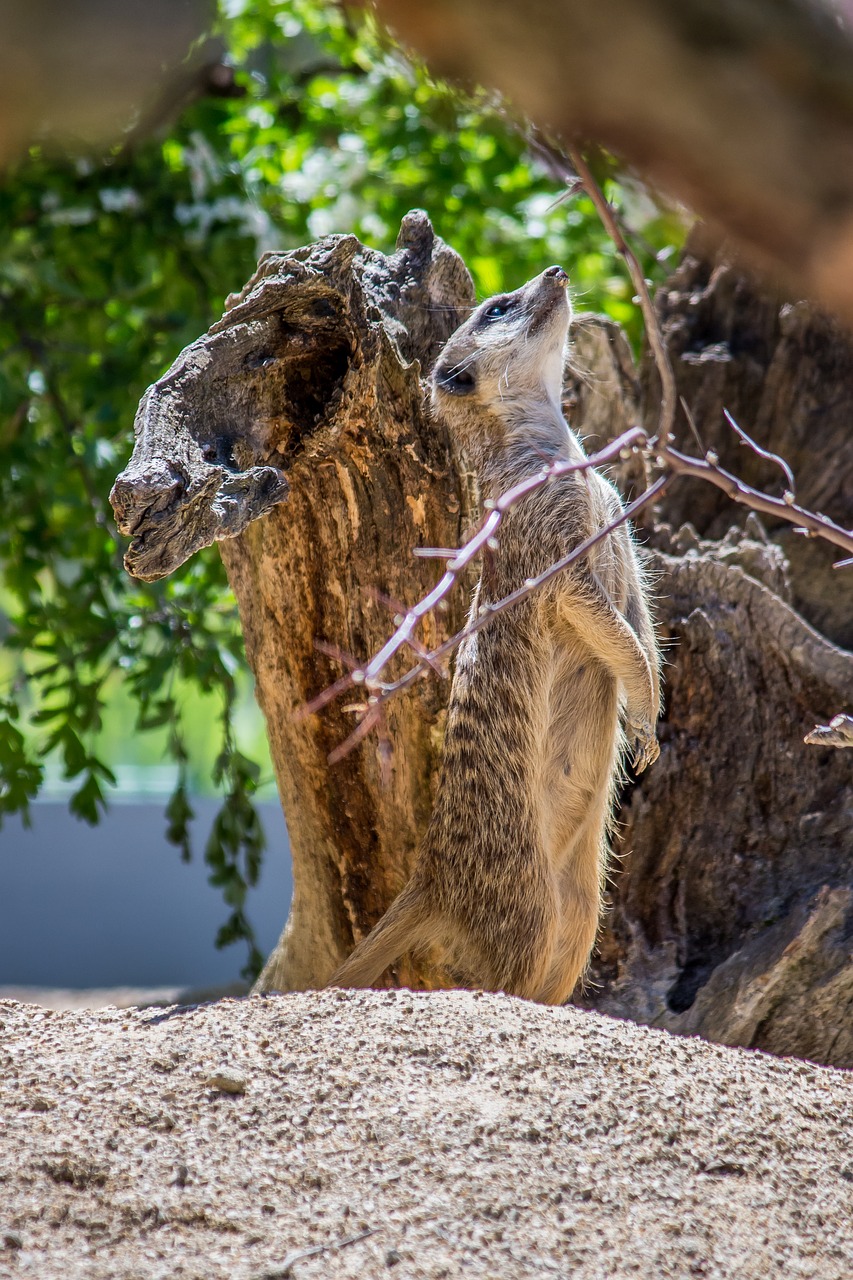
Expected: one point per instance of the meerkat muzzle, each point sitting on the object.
(557, 274)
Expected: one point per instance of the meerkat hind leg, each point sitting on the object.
(580, 914)
(521, 969)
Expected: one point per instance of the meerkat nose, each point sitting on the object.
(557, 274)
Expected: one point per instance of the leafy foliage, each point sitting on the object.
(111, 265)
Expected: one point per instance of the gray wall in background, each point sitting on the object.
(113, 905)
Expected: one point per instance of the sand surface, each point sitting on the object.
(410, 1135)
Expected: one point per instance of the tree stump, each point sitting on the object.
(303, 405)
(732, 894)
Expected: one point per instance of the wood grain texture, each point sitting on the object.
(732, 887)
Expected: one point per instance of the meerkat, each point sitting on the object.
(508, 879)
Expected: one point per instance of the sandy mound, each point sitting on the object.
(439, 1135)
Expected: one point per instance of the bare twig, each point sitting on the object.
(838, 733)
(531, 585)
(672, 462)
(337, 654)
(383, 690)
(610, 221)
(667, 455)
(570, 167)
(435, 553)
(762, 453)
(691, 422)
(708, 469)
(370, 673)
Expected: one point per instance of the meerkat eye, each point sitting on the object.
(497, 310)
(458, 382)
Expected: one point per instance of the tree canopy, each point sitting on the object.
(115, 261)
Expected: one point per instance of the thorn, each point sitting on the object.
(337, 655)
(358, 734)
(394, 606)
(323, 699)
(435, 553)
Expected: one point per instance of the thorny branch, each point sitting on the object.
(762, 453)
(461, 557)
(811, 523)
(657, 449)
(672, 463)
(381, 690)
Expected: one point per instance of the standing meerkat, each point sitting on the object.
(508, 878)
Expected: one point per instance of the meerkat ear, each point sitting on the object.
(455, 381)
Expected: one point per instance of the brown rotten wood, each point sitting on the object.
(743, 109)
(733, 893)
(303, 405)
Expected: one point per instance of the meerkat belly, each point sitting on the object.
(579, 750)
(484, 838)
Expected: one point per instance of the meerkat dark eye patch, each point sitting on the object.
(458, 382)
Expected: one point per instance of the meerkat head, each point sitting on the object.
(503, 368)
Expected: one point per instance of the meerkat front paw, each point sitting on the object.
(642, 743)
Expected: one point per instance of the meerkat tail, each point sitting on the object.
(406, 926)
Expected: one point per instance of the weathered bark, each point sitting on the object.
(308, 389)
(733, 897)
(785, 372)
(742, 110)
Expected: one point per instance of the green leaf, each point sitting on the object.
(88, 802)
(179, 815)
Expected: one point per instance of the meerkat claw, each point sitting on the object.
(643, 743)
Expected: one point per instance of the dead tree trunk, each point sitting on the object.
(733, 907)
(304, 402)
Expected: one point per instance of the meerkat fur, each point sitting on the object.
(546, 699)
